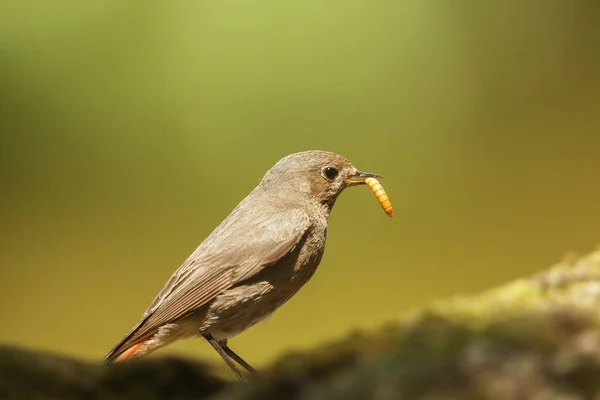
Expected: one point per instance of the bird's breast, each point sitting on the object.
(255, 299)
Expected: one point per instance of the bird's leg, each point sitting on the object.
(235, 357)
(224, 356)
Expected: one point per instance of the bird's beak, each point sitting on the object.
(359, 178)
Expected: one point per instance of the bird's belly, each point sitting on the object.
(240, 307)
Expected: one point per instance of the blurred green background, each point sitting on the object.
(129, 130)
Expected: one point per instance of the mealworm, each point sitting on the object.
(382, 197)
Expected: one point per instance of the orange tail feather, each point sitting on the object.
(130, 352)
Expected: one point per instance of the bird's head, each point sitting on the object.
(316, 175)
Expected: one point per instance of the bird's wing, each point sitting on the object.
(237, 250)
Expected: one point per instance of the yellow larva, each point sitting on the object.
(381, 195)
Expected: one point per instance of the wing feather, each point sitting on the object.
(238, 249)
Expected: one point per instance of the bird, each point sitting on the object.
(268, 247)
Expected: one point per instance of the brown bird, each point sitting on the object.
(252, 263)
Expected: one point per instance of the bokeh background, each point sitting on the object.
(129, 130)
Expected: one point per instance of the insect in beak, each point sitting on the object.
(366, 178)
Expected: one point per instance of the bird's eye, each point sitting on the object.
(330, 173)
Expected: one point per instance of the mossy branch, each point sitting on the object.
(535, 338)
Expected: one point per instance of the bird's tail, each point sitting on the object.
(140, 343)
(122, 355)
(131, 346)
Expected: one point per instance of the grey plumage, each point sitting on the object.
(253, 262)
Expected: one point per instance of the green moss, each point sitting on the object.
(533, 338)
